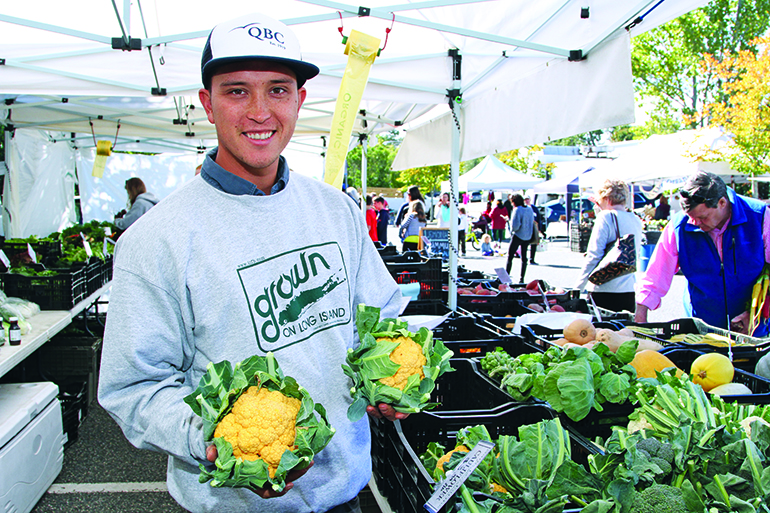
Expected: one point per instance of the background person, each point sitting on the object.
(538, 229)
(663, 210)
(462, 229)
(721, 242)
(410, 228)
(371, 218)
(499, 218)
(618, 294)
(444, 211)
(139, 200)
(383, 219)
(412, 194)
(522, 225)
(185, 286)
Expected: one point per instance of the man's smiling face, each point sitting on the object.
(255, 106)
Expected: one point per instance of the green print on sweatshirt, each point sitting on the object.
(296, 294)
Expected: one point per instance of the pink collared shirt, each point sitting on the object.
(664, 263)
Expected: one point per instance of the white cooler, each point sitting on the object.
(31, 443)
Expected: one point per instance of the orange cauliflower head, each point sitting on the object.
(261, 425)
(409, 356)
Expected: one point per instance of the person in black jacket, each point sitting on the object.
(412, 194)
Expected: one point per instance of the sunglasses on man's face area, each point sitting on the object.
(692, 197)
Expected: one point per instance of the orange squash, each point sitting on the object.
(580, 331)
(711, 370)
(648, 362)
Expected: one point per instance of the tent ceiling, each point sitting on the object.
(60, 71)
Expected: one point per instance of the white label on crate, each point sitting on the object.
(31, 253)
(86, 245)
(446, 489)
(105, 252)
(4, 259)
(503, 275)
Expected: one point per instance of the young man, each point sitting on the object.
(207, 275)
(721, 241)
(383, 219)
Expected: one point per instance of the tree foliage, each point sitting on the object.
(666, 61)
(428, 178)
(379, 158)
(525, 160)
(745, 107)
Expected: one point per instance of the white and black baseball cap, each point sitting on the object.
(254, 37)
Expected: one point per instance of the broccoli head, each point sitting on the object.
(660, 453)
(659, 498)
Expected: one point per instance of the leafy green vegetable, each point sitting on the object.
(214, 398)
(371, 361)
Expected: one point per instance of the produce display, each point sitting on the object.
(683, 451)
(263, 424)
(393, 365)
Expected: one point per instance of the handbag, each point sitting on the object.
(619, 258)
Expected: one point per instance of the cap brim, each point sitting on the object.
(303, 70)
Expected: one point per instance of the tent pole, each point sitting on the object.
(363, 173)
(454, 177)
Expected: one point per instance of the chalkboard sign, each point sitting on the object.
(436, 241)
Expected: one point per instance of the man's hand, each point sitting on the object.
(740, 324)
(265, 493)
(386, 411)
(641, 313)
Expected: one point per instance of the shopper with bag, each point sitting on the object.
(612, 226)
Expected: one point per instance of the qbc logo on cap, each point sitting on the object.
(263, 33)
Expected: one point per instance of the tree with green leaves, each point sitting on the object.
(428, 179)
(666, 61)
(379, 158)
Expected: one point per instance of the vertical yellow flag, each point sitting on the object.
(103, 150)
(361, 50)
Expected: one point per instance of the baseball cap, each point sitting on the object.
(254, 37)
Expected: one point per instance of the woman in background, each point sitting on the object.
(410, 228)
(139, 200)
(612, 222)
(522, 225)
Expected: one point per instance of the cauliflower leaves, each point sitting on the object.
(393, 365)
(264, 424)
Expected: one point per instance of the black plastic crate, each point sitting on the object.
(43, 249)
(468, 336)
(467, 389)
(425, 272)
(73, 399)
(60, 292)
(396, 447)
(744, 356)
(93, 276)
(426, 307)
(541, 336)
(64, 359)
(684, 357)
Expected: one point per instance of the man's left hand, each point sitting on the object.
(740, 324)
(385, 411)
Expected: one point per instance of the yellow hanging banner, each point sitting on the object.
(103, 150)
(361, 50)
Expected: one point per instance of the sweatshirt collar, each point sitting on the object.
(219, 178)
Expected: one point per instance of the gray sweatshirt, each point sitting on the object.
(142, 204)
(207, 276)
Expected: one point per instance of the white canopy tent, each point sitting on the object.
(517, 72)
(492, 175)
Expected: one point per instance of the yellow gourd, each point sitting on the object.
(711, 370)
(647, 362)
(580, 331)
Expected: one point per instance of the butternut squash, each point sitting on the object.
(610, 338)
(580, 331)
(647, 363)
(711, 370)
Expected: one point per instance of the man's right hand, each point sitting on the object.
(265, 493)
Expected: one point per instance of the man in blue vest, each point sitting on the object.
(720, 242)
